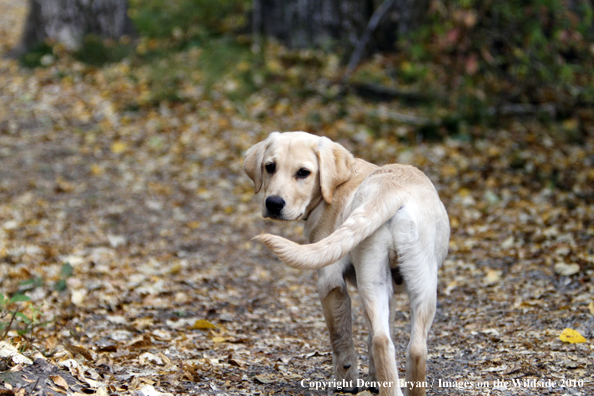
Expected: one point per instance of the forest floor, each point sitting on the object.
(130, 232)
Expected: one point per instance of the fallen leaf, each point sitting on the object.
(62, 185)
(236, 362)
(492, 277)
(78, 350)
(567, 269)
(140, 342)
(149, 390)
(59, 381)
(571, 336)
(148, 357)
(102, 391)
(264, 379)
(202, 324)
(118, 147)
(508, 243)
(97, 170)
(78, 296)
(8, 351)
(218, 339)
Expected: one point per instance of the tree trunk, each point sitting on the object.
(409, 15)
(313, 23)
(69, 21)
(335, 23)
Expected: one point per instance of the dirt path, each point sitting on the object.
(154, 216)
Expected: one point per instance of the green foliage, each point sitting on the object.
(26, 317)
(65, 272)
(7, 316)
(187, 18)
(38, 56)
(223, 61)
(97, 52)
(190, 41)
(532, 51)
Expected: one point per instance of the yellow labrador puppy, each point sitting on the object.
(383, 228)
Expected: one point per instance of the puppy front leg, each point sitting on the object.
(337, 312)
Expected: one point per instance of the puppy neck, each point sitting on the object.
(312, 205)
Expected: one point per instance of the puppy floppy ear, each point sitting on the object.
(253, 162)
(335, 163)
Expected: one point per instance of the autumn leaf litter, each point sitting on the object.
(168, 294)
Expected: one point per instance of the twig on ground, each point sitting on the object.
(9, 324)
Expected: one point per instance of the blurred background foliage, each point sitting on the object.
(535, 51)
(468, 62)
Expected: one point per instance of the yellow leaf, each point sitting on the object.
(454, 222)
(591, 307)
(62, 185)
(448, 170)
(97, 170)
(175, 269)
(571, 336)
(492, 277)
(193, 224)
(118, 147)
(202, 324)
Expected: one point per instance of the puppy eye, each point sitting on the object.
(303, 173)
(270, 168)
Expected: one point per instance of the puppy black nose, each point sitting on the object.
(275, 204)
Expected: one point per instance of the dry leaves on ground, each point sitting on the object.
(165, 293)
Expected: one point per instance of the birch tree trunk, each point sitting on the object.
(69, 21)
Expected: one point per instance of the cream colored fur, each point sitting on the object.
(383, 228)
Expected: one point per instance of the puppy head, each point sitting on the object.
(296, 170)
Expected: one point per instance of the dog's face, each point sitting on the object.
(296, 170)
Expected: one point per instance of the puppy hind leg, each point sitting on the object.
(376, 300)
(382, 348)
(422, 314)
(372, 376)
(336, 305)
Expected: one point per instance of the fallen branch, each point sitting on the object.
(381, 92)
(517, 109)
(508, 109)
(405, 118)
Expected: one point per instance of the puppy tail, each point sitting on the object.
(362, 222)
